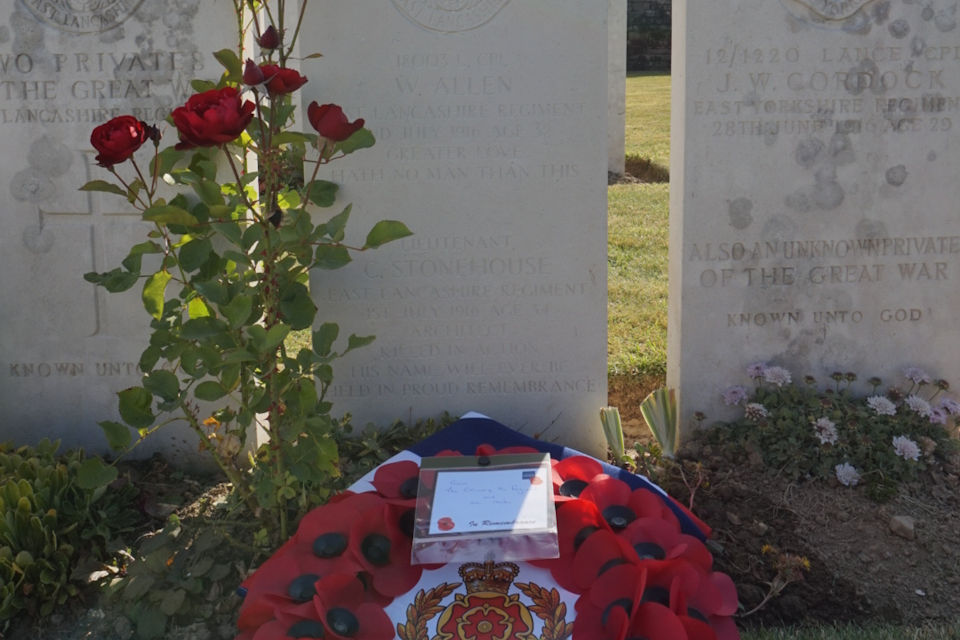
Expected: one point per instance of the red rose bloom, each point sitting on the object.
(331, 123)
(212, 118)
(281, 80)
(118, 139)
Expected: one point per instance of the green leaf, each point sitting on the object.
(355, 341)
(167, 159)
(209, 390)
(195, 253)
(135, 407)
(337, 224)
(275, 335)
(197, 308)
(162, 383)
(133, 260)
(322, 193)
(659, 410)
(287, 137)
(151, 624)
(169, 214)
(137, 586)
(105, 187)
(238, 310)
(228, 58)
(230, 230)
(386, 231)
(213, 290)
(297, 307)
(93, 473)
(202, 85)
(172, 602)
(154, 290)
(331, 256)
(289, 200)
(324, 337)
(118, 435)
(202, 328)
(113, 281)
(361, 139)
(209, 192)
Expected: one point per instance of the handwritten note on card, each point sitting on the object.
(489, 500)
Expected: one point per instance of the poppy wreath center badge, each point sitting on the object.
(488, 610)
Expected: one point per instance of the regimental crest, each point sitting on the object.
(488, 610)
(450, 16)
(82, 16)
(832, 9)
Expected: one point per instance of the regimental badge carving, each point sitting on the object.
(833, 9)
(487, 611)
(82, 16)
(450, 16)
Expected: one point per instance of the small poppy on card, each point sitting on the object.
(445, 524)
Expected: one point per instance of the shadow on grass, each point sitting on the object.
(645, 170)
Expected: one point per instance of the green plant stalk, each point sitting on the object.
(233, 475)
(613, 431)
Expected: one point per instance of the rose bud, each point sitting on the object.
(153, 133)
(331, 123)
(269, 39)
(118, 139)
(281, 80)
(212, 118)
(252, 74)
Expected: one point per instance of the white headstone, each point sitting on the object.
(491, 121)
(814, 191)
(617, 100)
(67, 347)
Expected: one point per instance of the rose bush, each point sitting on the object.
(227, 280)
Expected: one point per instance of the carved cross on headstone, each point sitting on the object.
(95, 219)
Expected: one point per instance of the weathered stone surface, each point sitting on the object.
(814, 192)
(903, 526)
(491, 121)
(66, 67)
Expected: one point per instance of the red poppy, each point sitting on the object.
(287, 580)
(571, 475)
(298, 622)
(490, 450)
(599, 553)
(656, 539)
(383, 551)
(621, 505)
(614, 609)
(710, 599)
(397, 480)
(342, 604)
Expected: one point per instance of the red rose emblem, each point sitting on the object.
(118, 139)
(445, 524)
(331, 123)
(212, 118)
(281, 80)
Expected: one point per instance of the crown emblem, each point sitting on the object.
(488, 577)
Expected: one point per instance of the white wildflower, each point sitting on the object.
(777, 376)
(918, 405)
(847, 475)
(734, 395)
(825, 430)
(906, 448)
(938, 416)
(883, 406)
(951, 406)
(755, 412)
(916, 375)
(756, 369)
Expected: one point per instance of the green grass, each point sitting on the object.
(637, 223)
(637, 277)
(849, 632)
(648, 119)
